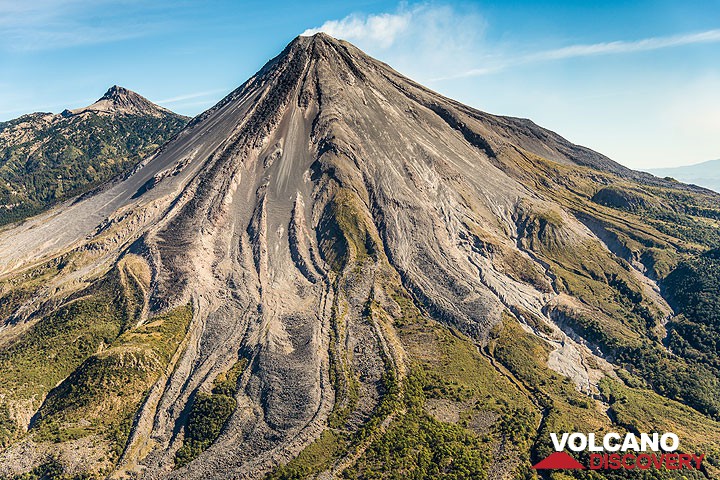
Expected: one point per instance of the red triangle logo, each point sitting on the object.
(558, 461)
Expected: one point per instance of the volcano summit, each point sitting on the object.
(338, 273)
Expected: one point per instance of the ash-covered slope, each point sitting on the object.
(330, 261)
(46, 158)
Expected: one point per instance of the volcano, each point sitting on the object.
(336, 272)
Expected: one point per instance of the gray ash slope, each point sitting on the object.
(325, 182)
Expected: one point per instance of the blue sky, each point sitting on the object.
(638, 81)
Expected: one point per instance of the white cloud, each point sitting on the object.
(192, 96)
(419, 40)
(381, 29)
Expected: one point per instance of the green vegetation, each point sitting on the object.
(403, 439)
(564, 408)
(453, 366)
(32, 364)
(684, 226)
(345, 234)
(205, 421)
(418, 446)
(624, 198)
(691, 217)
(226, 382)
(694, 291)
(615, 314)
(8, 427)
(104, 393)
(52, 469)
(316, 457)
(645, 411)
(457, 408)
(335, 441)
(445, 367)
(73, 155)
(84, 365)
(675, 377)
(667, 229)
(209, 413)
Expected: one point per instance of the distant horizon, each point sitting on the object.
(705, 174)
(691, 165)
(638, 83)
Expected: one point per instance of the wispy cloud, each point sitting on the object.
(55, 24)
(647, 44)
(191, 96)
(201, 103)
(24, 40)
(594, 49)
